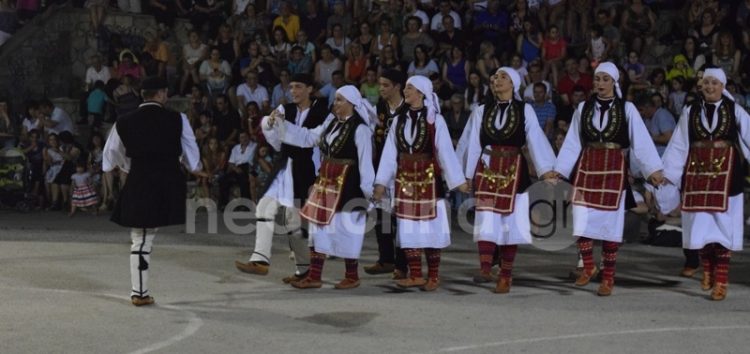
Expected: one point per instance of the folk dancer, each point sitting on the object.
(148, 144)
(494, 137)
(704, 157)
(418, 153)
(292, 176)
(390, 259)
(603, 130)
(335, 208)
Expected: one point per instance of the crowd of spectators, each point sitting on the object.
(236, 66)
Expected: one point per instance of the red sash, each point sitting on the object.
(325, 195)
(600, 179)
(497, 183)
(708, 176)
(416, 187)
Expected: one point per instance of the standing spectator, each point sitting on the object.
(227, 122)
(412, 38)
(437, 23)
(238, 170)
(456, 70)
(327, 64)
(638, 25)
(356, 65)
(422, 64)
(281, 94)
(34, 150)
(544, 109)
(96, 104)
(338, 41)
(252, 91)
(214, 159)
(215, 73)
(287, 21)
(571, 79)
(84, 193)
(554, 51)
(55, 120)
(659, 122)
(194, 52)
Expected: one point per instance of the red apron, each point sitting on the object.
(325, 195)
(600, 179)
(708, 176)
(416, 187)
(497, 183)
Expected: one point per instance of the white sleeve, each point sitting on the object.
(540, 150)
(571, 148)
(641, 143)
(113, 154)
(304, 137)
(272, 134)
(388, 159)
(675, 155)
(449, 165)
(191, 155)
(363, 140)
(469, 149)
(233, 158)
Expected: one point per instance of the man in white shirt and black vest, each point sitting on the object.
(292, 176)
(148, 145)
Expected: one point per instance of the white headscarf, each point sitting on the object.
(514, 77)
(431, 100)
(361, 105)
(611, 70)
(719, 74)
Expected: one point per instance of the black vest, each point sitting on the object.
(726, 129)
(152, 136)
(617, 125)
(303, 168)
(344, 147)
(513, 133)
(385, 118)
(423, 144)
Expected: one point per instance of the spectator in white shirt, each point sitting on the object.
(251, 91)
(97, 72)
(445, 10)
(55, 119)
(238, 171)
(410, 9)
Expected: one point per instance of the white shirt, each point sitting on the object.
(437, 21)
(418, 13)
(240, 156)
(64, 123)
(93, 76)
(259, 95)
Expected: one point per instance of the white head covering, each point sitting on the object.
(514, 77)
(361, 105)
(431, 100)
(719, 74)
(610, 69)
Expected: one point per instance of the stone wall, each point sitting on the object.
(49, 56)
